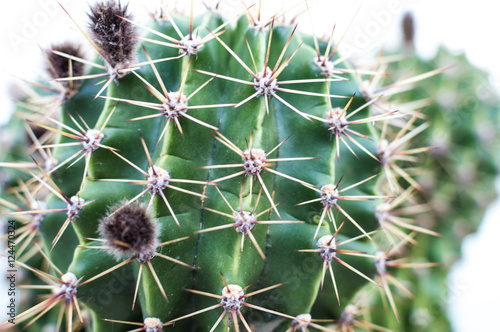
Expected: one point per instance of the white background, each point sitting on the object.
(473, 26)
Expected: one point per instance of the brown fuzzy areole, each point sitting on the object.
(59, 66)
(129, 230)
(113, 35)
(408, 25)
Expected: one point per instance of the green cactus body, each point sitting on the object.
(457, 183)
(235, 195)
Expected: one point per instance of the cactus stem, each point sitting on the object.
(254, 162)
(125, 262)
(89, 139)
(338, 124)
(172, 105)
(232, 298)
(74, 204)
(84, 33)
(141, 260)
(382, 261)
(158, 179)
(73, 210)
(302, 321)
(35, 208)
(381, 275)
(45, 153)
(189, 44)
(64, 291)
(112, 36)
(77, 59)
(265, 81)
(307, 93)
(130, 230)
(324, 62)
(396, 86)
(244, 221)
(140, 64)
(328, 250)
(255, 62)
(256, 23)
(151, 324)
(395, 150)
(235, 56)
(388, 217)
(369, 88)
(116, 41)
(38, 85)
(58, 66)
(329, 197)
(348, 320)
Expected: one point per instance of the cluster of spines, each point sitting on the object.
(254, 161)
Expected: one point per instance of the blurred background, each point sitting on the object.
(472, 291)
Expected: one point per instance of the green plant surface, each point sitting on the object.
(245, 184)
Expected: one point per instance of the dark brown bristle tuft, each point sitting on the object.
(408, 25)
(113, 35)
(59, 66)
(129, 230)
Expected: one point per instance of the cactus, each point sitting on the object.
(463, 109)
(210, 174)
